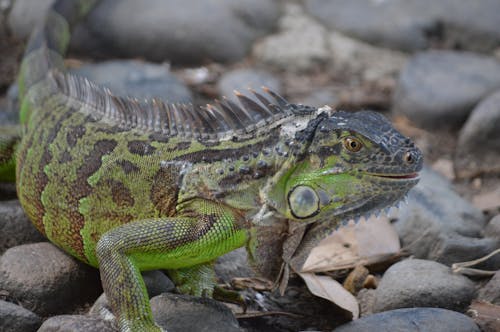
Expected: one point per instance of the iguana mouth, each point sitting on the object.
(397, 176)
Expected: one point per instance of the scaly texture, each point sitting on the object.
(129, 186)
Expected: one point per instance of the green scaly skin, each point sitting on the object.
(127, 186)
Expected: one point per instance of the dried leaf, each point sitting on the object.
(486, 315)
(331, 290)
(364, 243)
(258, 284)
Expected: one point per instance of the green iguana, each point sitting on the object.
(128, 186)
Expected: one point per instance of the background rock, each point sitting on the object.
(15, 226)
(188, 313)
(491, 291)
(300, 45)
(14, 318)
(439, 88)
(420, 283)
(412, 25)
(75, 323)
(478, 149)
(412, 320)
(493, 227)
(438, 224)
(136, 79)
(46, 280)
(190, 32)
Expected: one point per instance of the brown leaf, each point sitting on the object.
(364, 243)
(331, 290)
(486, 315)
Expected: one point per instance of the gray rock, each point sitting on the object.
(15, 227)
(412, 320)
(188, 313)
(46, 280)
(491, 291)
(136, 79)
(414, 24)
(420, 283)
(75, 323)
(300, 45)
(24, 15)
(478, 149)
(14, 318)
(438, 224)
(157, 282)
(243, 79)
(493, 227)
(233, 265)
(191, 32)
(439, 88)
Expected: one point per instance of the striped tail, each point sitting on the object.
(46, 48)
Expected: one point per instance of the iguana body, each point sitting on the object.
(129, 186)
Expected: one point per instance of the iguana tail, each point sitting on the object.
(44, 53)
(46, 48)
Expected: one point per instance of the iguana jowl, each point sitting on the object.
(129, 186)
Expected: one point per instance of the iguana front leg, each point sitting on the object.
(202, 231)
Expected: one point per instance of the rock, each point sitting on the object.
(15, 227)
(439, 225)
(234, 264)
(300, 45)
(478, 149)
(411, 25)
(491, 291)
(136, 79)
(420, 283)
(14, 318)
(190, 32)
(493, 227)
(356, 58)
(412, 320)
(242, 79)
(24, 15)
(157, 282)
(46, 280)
(75, 323)
(438, 89)
(188, 313)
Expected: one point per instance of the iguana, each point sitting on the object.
(129, 186)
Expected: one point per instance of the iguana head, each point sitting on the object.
(350, 165)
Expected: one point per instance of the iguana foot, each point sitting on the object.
(197, 280)
(229, 296)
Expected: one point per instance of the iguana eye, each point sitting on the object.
(303, 201)
(352, 144)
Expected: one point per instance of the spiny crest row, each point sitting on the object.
(223, 119)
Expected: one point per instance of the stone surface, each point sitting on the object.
(136, 79)
(300, 45)
(191, 32)
(242, 79)
(14, 318)
(421, 283)
(478, 149)
(24, 15)
(46, 280)
(491, 291)
(357, 58)
(157, 282)
(412, 320)
(188, 313)
(493, 227)
(438, 224)
(15, 227)
(75, 323)
(412, 25)
(234, 264)
(439, 88)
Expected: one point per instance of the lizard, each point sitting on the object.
(129, 186)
